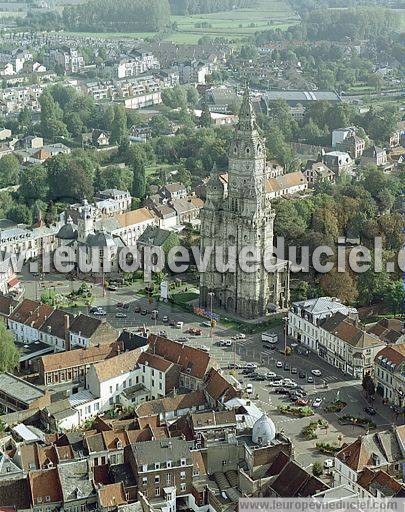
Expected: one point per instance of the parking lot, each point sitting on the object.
(327, 386)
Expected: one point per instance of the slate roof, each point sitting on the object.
(346, 330)
(75, 481)
(163, 405)
(161, 451)
(15, 493)
(85, 325)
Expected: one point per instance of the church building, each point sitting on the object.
(242, 217)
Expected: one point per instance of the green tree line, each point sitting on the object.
(118, 16)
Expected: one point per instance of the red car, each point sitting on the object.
(301, 402)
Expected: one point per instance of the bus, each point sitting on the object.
(269, 339)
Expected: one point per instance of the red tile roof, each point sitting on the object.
(193, 361)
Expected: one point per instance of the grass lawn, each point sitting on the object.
(185, 297)
(153, 170)
(236, 24)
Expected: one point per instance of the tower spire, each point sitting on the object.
(247, 116)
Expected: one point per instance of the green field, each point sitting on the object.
(235, 25)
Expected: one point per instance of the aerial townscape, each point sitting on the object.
(202, 258)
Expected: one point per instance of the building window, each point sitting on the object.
(182, 475)
(157, 479)
(169, 464)
(183, 487)
(157, 465)
(182, 462)
(157, 491)
(144, 480)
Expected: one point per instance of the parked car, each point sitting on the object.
(183, 339)
(206, 324)
(120, 304)
(137, 309)
(250, 365)
(112, 288)
(172, 323)
(271, 375)
(279, 364)
(162, 333)
(281, 391)
(179, 325)
(328, 463)
(228, 343)
(120, 315)
(317, 373)
(205, 348)
(248, 371)
(100, 312)
(259, 377)
(126, 305)
(249, 389)
(144, 312)
(310, 379)
(155, 314)
(240, 336)
(302, 402)
(294, 371)
(370, 410)
(302, 374)
(286, 366)
(165, 319)
(317, 403)
(276, 383)
(233, 366)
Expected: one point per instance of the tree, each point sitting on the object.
(25, 119)
(192, 96)
(9, 354)
(34, 184)
(119, 125)
(70, 176)
(108, 118)
(368, 385)
(114, 177)
(205, 120)
(9, 171)
(340, 285)
(160, 125)
(394, 296)
(139, 183)
(52, 125)
(20, 213)
(317, 469)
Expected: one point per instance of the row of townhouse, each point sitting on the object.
(19, 239)
(31, 321)
(129, 87)
(332, 330)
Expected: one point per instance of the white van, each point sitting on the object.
(249, 389)
(179, 325)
